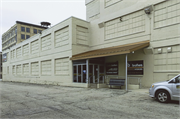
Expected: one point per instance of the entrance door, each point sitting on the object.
(101, 73)
(91, 74)
(79, 73)
(96, 74)
(84, 73)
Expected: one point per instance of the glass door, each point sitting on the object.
(96, 75)
(91, 74)
(79, 74)
(101, 73)
(84, 73)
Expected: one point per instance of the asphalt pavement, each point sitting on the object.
(31, 101)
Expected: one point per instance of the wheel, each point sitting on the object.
(162, 96)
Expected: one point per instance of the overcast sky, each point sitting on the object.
(36, 11)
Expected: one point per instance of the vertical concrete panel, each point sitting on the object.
(46, 43)
(62, 37)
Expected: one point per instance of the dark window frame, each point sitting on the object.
(22, 29)
(35, 31)
(28, 37)
(23, 36)
(28, 30)
(39, 31)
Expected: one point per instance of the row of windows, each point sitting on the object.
(9, 47)
(23, 29)
(35, 31)
(9, 42)
(23, 36)
(10, 34)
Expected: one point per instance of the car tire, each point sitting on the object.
(163, 96)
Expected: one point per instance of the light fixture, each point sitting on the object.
(159, 51)
(120, 18)
(148, 9)
(169, 49)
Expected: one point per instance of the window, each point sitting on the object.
(16, 30)
(35, 31)
(39, 31)
(22, 36)
(177, 79)
(28, 30)
(23, 29)
(27, 36)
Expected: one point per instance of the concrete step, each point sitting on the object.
(92, 85)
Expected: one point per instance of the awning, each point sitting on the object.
(116, 50)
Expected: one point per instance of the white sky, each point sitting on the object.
(36, 11)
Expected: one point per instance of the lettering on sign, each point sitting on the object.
(135, 67)
(112, 68)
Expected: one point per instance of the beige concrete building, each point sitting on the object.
(18, 33)
(134, 40)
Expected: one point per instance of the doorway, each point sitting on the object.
(96, 70)
(96, 73)
(79, 73)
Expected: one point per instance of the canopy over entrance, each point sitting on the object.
(116, 50)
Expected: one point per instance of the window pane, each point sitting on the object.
(39, 31)
(75, 74)
(16, 30)
(27, 36)
(28, 30)
(84, 73)
(35, 31)
(23, 29)
(79, 73)
(22, 36)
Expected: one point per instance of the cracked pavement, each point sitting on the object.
(31, 101)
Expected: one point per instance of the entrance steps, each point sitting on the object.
(92, 85)
(130, 86)
(95, 85)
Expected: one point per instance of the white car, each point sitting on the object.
(166, 90)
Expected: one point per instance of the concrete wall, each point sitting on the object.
(146, 79)
(122, 22)
(44, 58)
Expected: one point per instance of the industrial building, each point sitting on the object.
(18, 33)
(134, 40)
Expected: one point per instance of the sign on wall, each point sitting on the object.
(135, 67)
(112, 68)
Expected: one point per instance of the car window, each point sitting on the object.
(177, 79)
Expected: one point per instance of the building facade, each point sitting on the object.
(18, 33)
(140, 39)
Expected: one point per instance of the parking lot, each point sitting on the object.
(30, 101)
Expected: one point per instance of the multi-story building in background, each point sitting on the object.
(18, 33)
